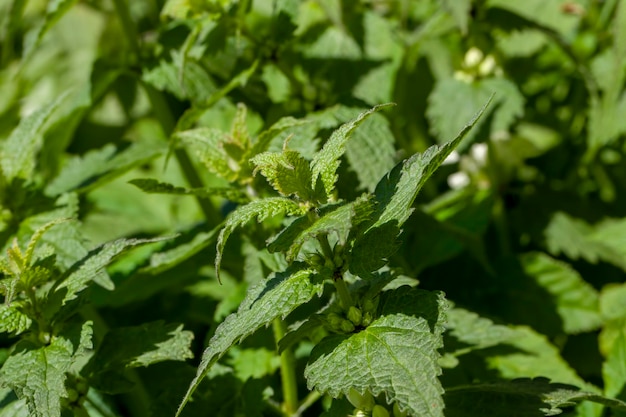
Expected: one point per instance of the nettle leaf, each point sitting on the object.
(468, 331)
(143, 345)
(259, 209)
(37, 374)
(577, 239)
(91, 268)
(84, 173)
(12, 319)
(263, 141)
(395, 355)
(54, 11)
(326, 161)
(576, 301)
(208, 143)
(614, 368)
(275, 297)
(152, 186)
(338, 221)
(19, 153)
(452, 103)
(169, 258)
(527, 397)
(288, 172)
(394, 195)
(460, 11)
(371, 152)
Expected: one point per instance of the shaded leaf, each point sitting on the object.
(523, 397)
(259, 209)
(275, 297)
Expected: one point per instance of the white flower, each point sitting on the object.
(453, 158)
(458, 180)
(479, 153)
(473, 57)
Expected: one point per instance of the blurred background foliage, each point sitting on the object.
(526, 224)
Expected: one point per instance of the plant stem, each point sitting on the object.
(128, 26)
(308, 401)
(287, 370)
(343, 293)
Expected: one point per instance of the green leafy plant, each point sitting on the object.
(206, 209)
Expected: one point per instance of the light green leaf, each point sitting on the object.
(535, 356)
(152, 186)
(164, 260)
(548, 14)
(288, 172)
(326, 161)
(91, 268)
(576, 239)
(614, 368)
(395, 355)
(474, 332)
(82, 174)
(263, 141)
(37, 374)
(275, 297)
(253, 363)
(259, 209)
(19, 153)
(143, 345)
(209, 147)
(528, 397)
(12, 319)
(460, 11)
(54, 11)
(576, 301)
(371, 152)
(184, 78)
(453, 102)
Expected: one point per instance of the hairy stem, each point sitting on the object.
(343, 293)
(287, 370)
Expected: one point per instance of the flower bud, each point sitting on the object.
(347, 326)
(473, 57)
(487, 66)
(363, 401)
(354, 315)
(380, 411)
(369, 306)
(367, 319)
(315, 259)
(334, 320)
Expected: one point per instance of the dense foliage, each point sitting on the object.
(318, 207)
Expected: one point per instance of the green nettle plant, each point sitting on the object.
(206, 210)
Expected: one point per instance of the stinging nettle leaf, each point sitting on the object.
(528, 397)
(91, 267)
(326, 161)
(259, 209)
(275, 297)
(395, 355)
(82, 174)
(288, 172)
(152, 186)
(19, 152)
(38, 374)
